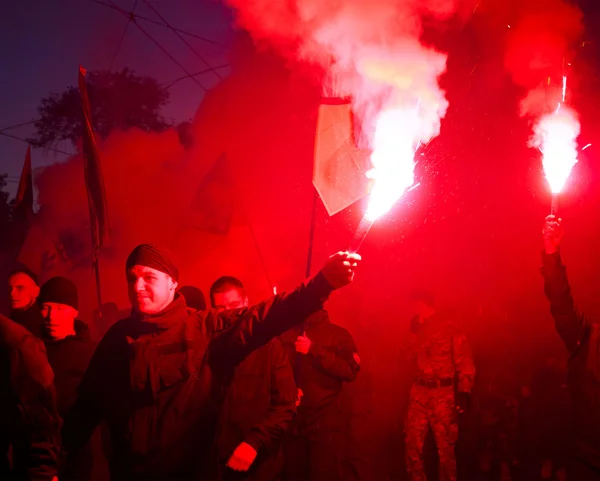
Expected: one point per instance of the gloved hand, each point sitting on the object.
(463, 401)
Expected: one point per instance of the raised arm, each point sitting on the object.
(253, 327)
(572, 326)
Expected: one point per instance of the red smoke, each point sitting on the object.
(370, 50)
(538, 50)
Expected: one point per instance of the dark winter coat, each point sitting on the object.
(332, 360)
(158, 381)
(259, 407)
(29, 420)
(69, 359)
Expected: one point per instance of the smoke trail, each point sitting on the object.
(537, 56)
(538, 50)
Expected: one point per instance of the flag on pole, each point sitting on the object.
(23, 204)
(94, 182)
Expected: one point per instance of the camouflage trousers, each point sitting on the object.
(435, 409)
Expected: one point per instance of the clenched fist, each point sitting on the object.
(553, 233)
(303, 344)
(339, 269)
(242, 458)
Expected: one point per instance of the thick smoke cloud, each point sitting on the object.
(371, 51)
(538, 51)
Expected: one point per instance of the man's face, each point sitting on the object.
(22, 291)
(59, 319)
(150, 291)
(230, 299)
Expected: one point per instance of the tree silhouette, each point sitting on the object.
(119, 100)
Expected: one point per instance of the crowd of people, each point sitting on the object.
(181, 390)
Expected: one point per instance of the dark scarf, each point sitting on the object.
(159, 334)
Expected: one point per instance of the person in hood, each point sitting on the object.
(23, 290)
(29, 420)
(69, 349)
(157, 380)
(581, 337)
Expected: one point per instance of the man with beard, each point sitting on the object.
(157, 380)
(23, 290)
(29, 420)
(69, 349)
(260, 402)
(581, 337)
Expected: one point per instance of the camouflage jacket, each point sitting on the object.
(440, 350)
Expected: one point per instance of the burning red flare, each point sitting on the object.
(556, 136)
(394, 143)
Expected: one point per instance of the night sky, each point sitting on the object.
(42, 44)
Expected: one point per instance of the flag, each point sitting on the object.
(94, 181)
(213, 205)
(339, 165)
(23, 204)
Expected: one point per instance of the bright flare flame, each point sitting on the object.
(394, 145)
(556, 136)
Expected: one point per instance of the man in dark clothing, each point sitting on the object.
(69, 349)
(324, 356)
(29, 420)
(260, 401)
(23, 290)
(157, 380)
(582, 339)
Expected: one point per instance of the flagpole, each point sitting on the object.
(96, 268)
(311, 235)
(94, 185)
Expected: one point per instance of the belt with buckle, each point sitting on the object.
(435, 383)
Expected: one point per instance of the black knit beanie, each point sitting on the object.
(61, 291)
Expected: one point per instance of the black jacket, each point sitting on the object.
(259, 406)
(332, 360)
(29, 419)
(31, 319)
(158, 382)
(582, 339)
(69, 359)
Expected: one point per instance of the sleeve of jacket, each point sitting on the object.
(463, 361)
(36, 448)
(255, 326)
(99, 383)
(284, 393)
(343, 363)
(571, 326)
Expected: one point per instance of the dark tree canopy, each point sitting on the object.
(119, 100)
